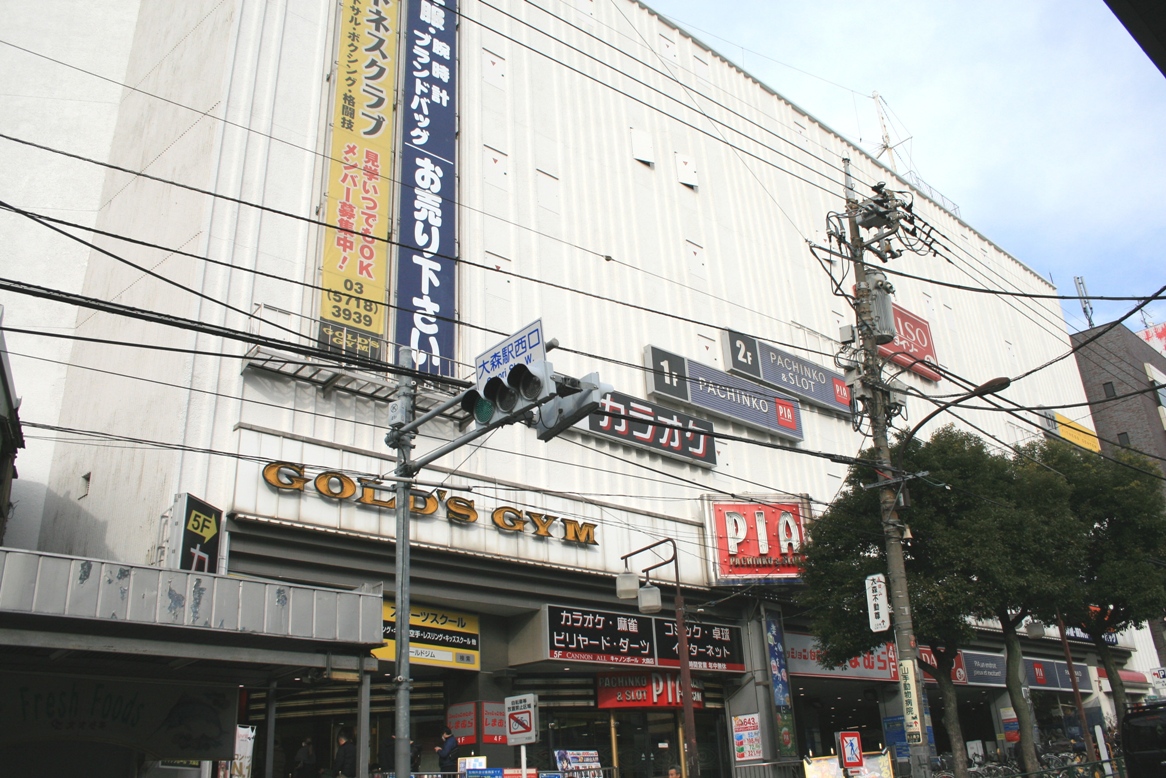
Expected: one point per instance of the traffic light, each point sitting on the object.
(576, 400)
(504, 400)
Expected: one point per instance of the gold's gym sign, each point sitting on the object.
(334, 485)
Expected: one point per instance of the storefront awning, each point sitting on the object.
(1127, 676)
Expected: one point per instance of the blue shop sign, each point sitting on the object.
(679, 378)
(984, 669)
(427, 217)
(756, 359)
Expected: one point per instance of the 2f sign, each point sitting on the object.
(876, 603)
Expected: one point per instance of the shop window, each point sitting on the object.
(1107, 387)
(1123, 438)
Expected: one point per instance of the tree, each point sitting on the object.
(847, 544)
(993, 538)
(1027, 553)
(1121, 516)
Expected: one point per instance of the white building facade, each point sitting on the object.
(582, 163)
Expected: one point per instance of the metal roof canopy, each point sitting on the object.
(73, 615)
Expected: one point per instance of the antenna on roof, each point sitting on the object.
(1083, 293)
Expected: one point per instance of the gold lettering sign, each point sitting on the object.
(374, 493)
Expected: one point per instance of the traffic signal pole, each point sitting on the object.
(406, 395)
(542, 398)
(877, 406)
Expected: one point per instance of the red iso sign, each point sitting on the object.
(913, 347)
(521, 719)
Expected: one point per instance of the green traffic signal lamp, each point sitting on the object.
(483, 409)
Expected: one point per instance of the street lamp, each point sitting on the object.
(991, 386)
(627, 586)
(905, 646)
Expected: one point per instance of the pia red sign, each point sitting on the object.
(649, 689)
(758, 541)
(913, 347)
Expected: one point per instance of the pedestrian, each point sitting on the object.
(447, 752)
(345, 762)
(674, 771)
(305, 766)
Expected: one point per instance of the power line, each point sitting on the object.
(458, 260)
(1003, 293)
(1101, 331)
(1015, 413)
(192, 325)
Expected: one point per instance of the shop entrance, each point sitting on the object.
(647, 742)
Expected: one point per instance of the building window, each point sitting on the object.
(1107, 387)
(1123, 438)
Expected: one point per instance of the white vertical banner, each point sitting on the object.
(912, 703)
(876, 603)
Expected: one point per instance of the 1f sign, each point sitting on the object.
(876, 603)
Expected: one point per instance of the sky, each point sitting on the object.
(1041, 119)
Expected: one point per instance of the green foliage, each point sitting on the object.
(1120, 515)
(985, 530)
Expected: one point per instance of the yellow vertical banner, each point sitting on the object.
(355, 262)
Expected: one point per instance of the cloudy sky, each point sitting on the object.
(1042, 120)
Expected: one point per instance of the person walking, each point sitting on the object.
(305, 766)
(345, 762)
(447, 752)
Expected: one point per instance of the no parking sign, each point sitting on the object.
(521, 719)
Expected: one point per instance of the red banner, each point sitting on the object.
(913, 347)
(643, 690)
(493, 722)
(758, 541)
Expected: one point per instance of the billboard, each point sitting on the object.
(426, 260)
(437, 637)
(747, 356)
(758, 541)
(355, 259)
(680, 379)
(913, 347)
(648, 425)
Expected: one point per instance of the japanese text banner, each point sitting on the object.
(426, 269)
(355, 263)
(437, 637)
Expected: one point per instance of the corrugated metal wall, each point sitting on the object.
(635, 188)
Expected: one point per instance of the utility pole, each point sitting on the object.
(873, 308)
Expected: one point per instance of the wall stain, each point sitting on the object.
(177, 600)
(196, 594)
